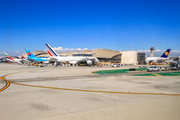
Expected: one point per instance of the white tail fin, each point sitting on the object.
(8, 56)
(51, 52)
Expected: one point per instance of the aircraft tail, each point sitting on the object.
(29, 54)
(51, 52)
(8, 56)
(165, 54)
(22, 57)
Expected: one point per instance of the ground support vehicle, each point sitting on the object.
(115, 65)
(141, 66)
(165, 68)
(174, 65)
(153, 68)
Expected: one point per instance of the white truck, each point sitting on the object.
(153, 68)
(115, 65)
(141, 66)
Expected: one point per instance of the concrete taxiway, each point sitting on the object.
(36, 94)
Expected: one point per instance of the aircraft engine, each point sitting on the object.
(89, 62)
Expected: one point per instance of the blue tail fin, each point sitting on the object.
(29, 54)
(165, 55)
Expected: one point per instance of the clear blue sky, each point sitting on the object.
(108, 24)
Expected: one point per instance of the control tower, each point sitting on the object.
(151, 51)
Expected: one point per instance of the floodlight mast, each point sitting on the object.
(151, 51)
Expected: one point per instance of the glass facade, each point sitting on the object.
(83, 54)
(141, 58)
(115, 59)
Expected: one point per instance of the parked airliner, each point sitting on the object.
(71, 59)
(163, 57)
(15, 60)
(32, 58)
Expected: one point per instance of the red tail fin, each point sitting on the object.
(23, 57)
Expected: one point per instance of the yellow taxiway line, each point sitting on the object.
(3, 78)
(157, 74)
(6, 86)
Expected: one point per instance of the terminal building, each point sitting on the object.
(105, 56)
(174, 58)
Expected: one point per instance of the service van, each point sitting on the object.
(174, 65)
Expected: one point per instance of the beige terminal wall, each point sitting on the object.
(129, 57)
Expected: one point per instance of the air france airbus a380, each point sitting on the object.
(71, 59)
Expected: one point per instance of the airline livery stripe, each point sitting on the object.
(49, 53)
(8, 56)
(53, 54)
(51, 50)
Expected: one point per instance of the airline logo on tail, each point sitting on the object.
(8, 56)
(165, 55)
(51, 52)
(29, 53)
(22, 57)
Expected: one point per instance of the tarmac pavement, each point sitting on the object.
(22, 102)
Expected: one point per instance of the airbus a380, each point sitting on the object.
(71, 59)
(15, 60)
(163, 57)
